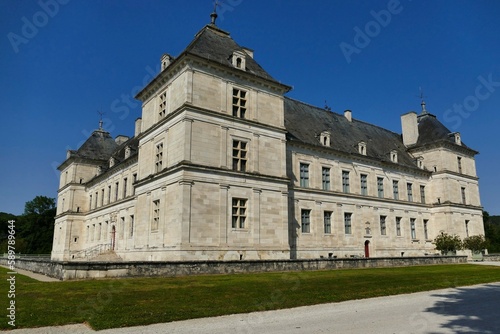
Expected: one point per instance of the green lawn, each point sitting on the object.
(109, 303)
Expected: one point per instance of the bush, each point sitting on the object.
(475, 243)
(448, 243)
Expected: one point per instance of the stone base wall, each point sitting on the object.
(491, 257)
(91, 270)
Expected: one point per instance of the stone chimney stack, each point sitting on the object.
(138, 124)
(348, 115)
(409, 127)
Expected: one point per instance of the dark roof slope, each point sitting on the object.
(99, 146)
(305, 123)
(215, 44)
(431, 130)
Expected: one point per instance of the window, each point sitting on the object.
(426, 232)
(162, 105)
(364, 185)
(102, 197)
(362, 148)
(96, 199)
(347, 222)
(398, 226)
(305, 219)
(109, 194)
(122, 227)
(239, 103)
(345, 181)
(409, 190)
(90, 203)
(412, 228)
(325, 178)
(238, 62)
(462, 190)
(383, 227)
(131, 226)
(422, 194)
(395, 189)
(239, 155)
(117, 184)
(466, 228)
(99, 229)
(124, 187)
(239, 212)
(327, 222)
(87, 239)
(394, 156)
(380, 187)
(156, 215)
(159, 157)
(459, 164)
(134, 180)
(304, 175)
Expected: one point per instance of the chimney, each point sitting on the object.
(248, 51)
(120, 139)
(166, 59)
(348, 115)
(409, 127)
(138, 124)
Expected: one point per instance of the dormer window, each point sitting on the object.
(128, 150)
(394, 156)
(238, 60)
(111, 162)
(420, 162)
(362, 148)
(458, 140)
(324, 138)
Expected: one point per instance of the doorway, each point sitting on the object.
(367, 248)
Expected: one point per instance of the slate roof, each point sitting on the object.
(215, 44)
(304, 124)
(99, 146)
(431, 130)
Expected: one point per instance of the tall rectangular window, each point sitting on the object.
(96, 199)
(466, 228)
(122, 227)
(383, 227)
(134, 180)
(345, 181)
(325, 178)
(131, 226)
(124, 187)
(109, 194)
(239, 212)
(426, 231)
(398, 226)
(395, 189)
(305, 220)
(462, 191)
(159, 158)
(117, 185)
(409, 190)
(364, 184)
(239, 103)
(90, 203)
(327, 222)
(102, 197)
(459, 164)
(239, 155)
(422, 194)
(347, 223)
(162, 105)
(156, 215)
(304, 175)
(380, 187)
(412, 228)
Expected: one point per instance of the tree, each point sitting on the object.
(475, 243)
(447, 243)
(39, 205)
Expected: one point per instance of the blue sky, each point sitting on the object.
(63, 60)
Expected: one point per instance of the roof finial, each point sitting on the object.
(100, 119)
(213, 16)
(424, 111)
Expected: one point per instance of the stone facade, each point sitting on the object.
(223, 166)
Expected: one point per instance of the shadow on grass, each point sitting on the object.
(470, 310)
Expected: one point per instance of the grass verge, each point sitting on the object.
(112, 303)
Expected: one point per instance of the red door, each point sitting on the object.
(367, 248)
